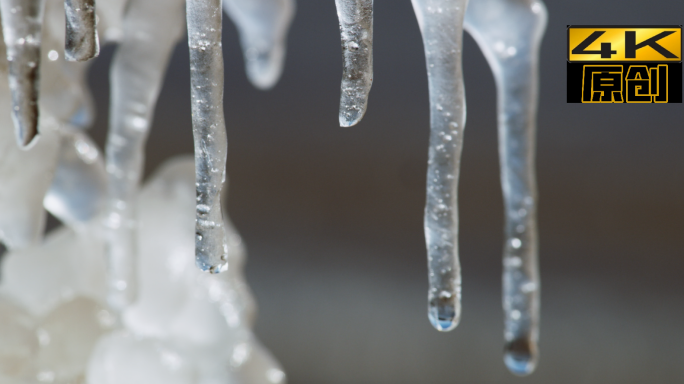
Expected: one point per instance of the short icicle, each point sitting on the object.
(263, 26)
(441, 24)
(22, 24)
(209, 131)
(151, 29)
(509, 33)
(81, 42)
(356, 29)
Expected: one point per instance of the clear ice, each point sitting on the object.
(441, 24)
(356, 30)
(22, 23)
(263, 26)
(209, 131)
(62, 317)
(509, 33)
(76, 291)
(77, 193)
(81, 41)
(150, 31)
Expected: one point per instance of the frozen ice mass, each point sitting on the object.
(113, 296)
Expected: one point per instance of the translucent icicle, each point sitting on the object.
(151, 29)
(78, 190)
(441, 24)
(356, 29)
(263, 26)
(209, 131)
(22, 22)
(81, 41)
(509, 33)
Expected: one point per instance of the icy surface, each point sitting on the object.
(356, 30)
(59, 300)
(209, 131)
(187, 327)
(26, 175)
(22, 22)
(263, 26)
(81, 42)
(509, 33)
(77, 193)
(151, 29)
(441, 24)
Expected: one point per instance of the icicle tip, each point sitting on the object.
(351, 118)
(444, 311)
(520, 356)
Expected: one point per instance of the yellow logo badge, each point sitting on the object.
(659, 44)
(624, 64)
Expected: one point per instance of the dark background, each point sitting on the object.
(332, 217)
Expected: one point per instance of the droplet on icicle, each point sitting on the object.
(442, 38)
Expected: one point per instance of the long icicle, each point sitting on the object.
(81, 41)
(509, 33)
(356, 29)
(441, 24)
(151, 29)
(263, 26)
(22, 24)
(209, 131)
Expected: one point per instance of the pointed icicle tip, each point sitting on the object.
(263, 27)
(26, 132)
(351, 118)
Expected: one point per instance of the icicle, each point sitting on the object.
(22, 22)
(151, 29)
(356, 28)
(81, 42)
(77, 193)
(509, 34)
(209, 131)
(263, 26)
(441, 24)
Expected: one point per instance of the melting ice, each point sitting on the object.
(172, 325)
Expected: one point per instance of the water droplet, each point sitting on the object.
(442, 311)
(520, 356)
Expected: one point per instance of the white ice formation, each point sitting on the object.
(73, 307)
(187, 326)
(94, 277)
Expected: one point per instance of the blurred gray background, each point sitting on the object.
(332, 217)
